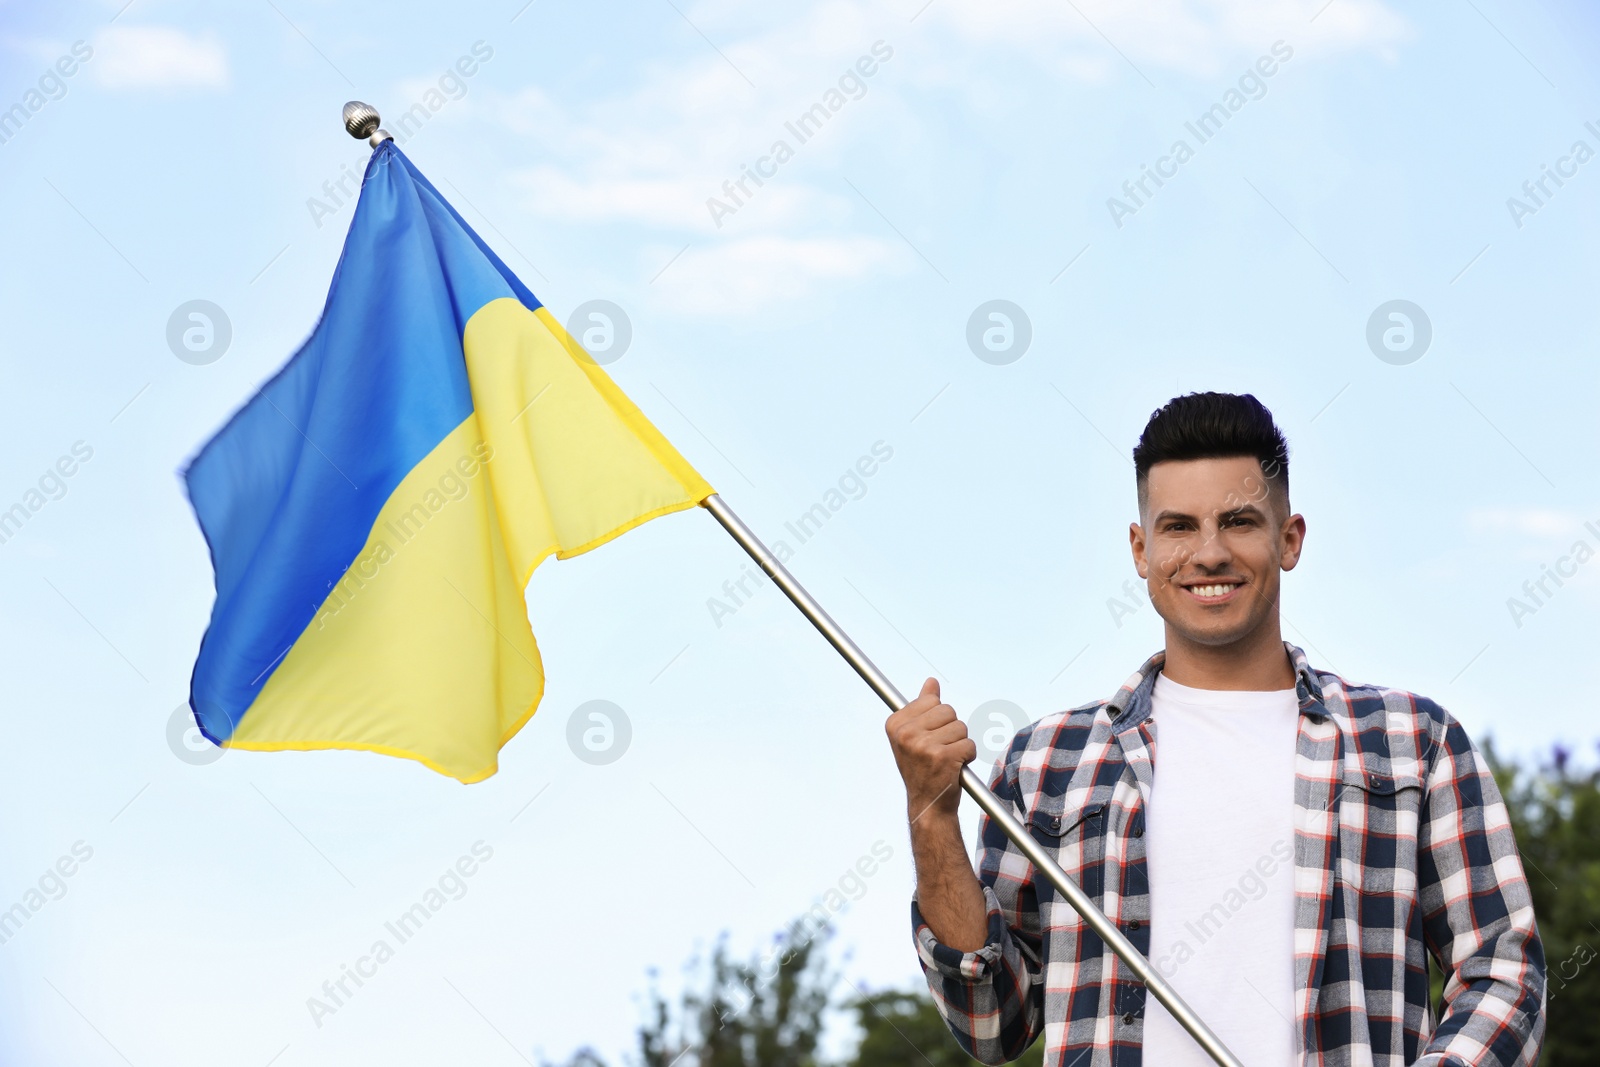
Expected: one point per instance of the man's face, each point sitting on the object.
(1212, 540)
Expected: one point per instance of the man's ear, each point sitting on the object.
(1136, 542)
(1292, 539)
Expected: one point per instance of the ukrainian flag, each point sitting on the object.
(374, 513)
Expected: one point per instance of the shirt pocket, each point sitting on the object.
(1385, 782)
(1379, 815)
(1074, 835)
(1052, 820)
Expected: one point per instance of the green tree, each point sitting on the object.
(767, 1012)
(1555, 813)
(902, 1028)
(771, 1010)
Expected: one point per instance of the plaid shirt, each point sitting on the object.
(1402, 846)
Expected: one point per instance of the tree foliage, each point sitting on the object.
(902, 1028)
(1555, 813)
(768, 1012)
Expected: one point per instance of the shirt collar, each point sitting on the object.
(1131, 703)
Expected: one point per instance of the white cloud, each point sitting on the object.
(139, 57)
(653, 153)
(1199, 38)
(656, 151)
(661, 200)
(751, 275)
(1527, 522)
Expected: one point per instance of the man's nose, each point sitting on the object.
(1212, 551)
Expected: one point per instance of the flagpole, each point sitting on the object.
(991, 805)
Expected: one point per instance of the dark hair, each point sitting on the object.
(1213, 426)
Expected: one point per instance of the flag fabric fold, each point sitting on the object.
(375, 512)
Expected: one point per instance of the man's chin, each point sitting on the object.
(1215, 636)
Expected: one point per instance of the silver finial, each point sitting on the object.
(362, 121)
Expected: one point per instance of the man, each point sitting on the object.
(1285, 846)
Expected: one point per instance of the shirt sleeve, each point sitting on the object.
(992, 999)
(1477, 916)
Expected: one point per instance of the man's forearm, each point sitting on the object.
(948, 892)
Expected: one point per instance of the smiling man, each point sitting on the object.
(1288, 848)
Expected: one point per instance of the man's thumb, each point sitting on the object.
(930, 688)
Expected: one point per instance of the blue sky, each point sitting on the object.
(826, 314)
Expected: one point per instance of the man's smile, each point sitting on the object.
(1214, 590)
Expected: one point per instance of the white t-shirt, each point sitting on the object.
(1219, 837)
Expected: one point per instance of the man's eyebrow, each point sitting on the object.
(1242, 511)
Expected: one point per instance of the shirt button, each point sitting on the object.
(1127, 1020)
(1134, 925)
(1138, 831)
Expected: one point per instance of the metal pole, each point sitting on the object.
(978, 791)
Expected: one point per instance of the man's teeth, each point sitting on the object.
(1211, 590)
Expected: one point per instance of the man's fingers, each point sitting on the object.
(928, 698)
(950, 733)
(918, 718)
(923, 700)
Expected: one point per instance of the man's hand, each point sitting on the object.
(930, 746)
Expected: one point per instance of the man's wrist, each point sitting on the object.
(935, 835)
(943, 804)
(930, 812)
